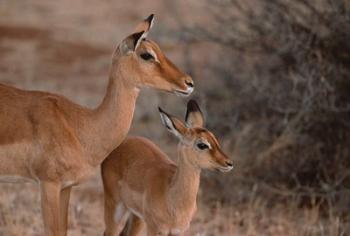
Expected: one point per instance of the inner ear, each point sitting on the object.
(139, 39)
(194, 116)
(173, 124)
(131, 43)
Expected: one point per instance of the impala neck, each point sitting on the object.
(111, 121)
(185, 183)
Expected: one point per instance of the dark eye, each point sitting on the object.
(146, 56)
(202, 146)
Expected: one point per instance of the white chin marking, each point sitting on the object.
(184, 93)
(180, 94)
(226, 169)
(189, 90)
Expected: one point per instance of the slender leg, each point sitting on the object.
(109, 208)
(64, 206)
(136, 226)
(50, 207)
(126, 228)
(116, 216)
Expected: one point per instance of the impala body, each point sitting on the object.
(142, 185)
(48, 139)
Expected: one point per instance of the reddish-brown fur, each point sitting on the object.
(46, 138)
(141, 182)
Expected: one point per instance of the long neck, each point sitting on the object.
(111, 121)
(185, 183)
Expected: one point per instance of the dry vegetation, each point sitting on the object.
(272, 77)
(285, 68)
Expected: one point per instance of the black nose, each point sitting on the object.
(229, 163)
(189, 83)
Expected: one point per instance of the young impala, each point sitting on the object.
(46, 138)
(143, 185)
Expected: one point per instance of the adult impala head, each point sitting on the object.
(201, 146)
(144, 64)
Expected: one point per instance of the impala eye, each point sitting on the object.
(202, 146)
(146, 56)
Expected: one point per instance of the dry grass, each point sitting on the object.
(20, 215)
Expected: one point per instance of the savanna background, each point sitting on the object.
(272, 78)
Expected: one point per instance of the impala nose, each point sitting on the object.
(229, 163)
(189, 83)
(186, 85)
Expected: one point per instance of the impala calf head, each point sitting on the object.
(145, 64)
(204, 149)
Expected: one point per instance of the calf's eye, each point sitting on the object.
(202, 146)
(146, 56)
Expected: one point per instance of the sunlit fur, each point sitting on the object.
(58, 144)
(162, 75)
(155, 191)
(213, 158)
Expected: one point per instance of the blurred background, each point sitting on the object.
(272, 78)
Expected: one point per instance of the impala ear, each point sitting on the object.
(173, 124)
(131, 43)
(145, 25)
(194, 116)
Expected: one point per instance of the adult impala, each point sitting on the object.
(48, 139)
(143, 185)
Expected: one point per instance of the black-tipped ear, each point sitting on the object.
(145, 25)
(194, 116)
(131, 43)
(173, 125)
(192, 106)
(150, 19)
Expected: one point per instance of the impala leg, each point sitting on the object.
(116, 216)
(109, 208)
(64, 206)
(50, 207)
(136, 226)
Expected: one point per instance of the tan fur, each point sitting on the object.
(153, 188)
(57, 143)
